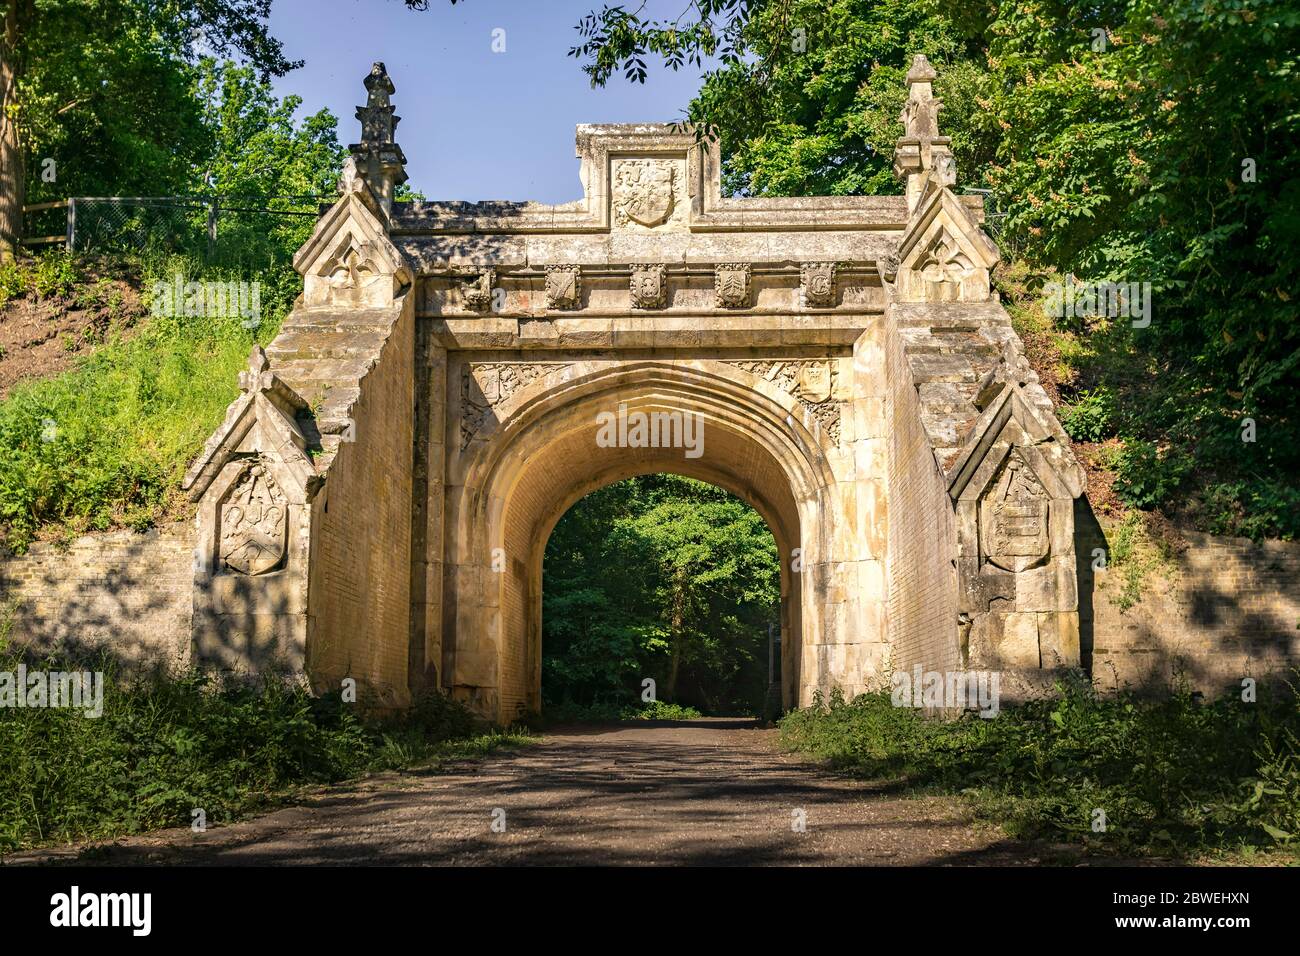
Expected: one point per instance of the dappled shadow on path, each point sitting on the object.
(668, 793)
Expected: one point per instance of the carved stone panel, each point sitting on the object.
(811, 381)
(254, 523)
(731, 285)
(562, 287)
(645, 191)
(1014, 529)
(944, 267)
(354, 274)
(817, 289)
(815, 382)
(478, 291)
(649, 286)
(485, 385)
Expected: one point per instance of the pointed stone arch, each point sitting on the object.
(538, 456)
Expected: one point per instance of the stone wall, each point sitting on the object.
(922, 580)
(128, 593)
(360, 567)
(1230, 610)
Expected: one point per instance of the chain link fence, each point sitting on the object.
(240, 232)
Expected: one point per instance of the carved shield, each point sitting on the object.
(818, 284)
(648, 286)
(643, 190)
(731, 285)
(815, 382)
(1014, 518)
(254, 524)
(561, 287)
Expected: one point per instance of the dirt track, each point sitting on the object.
(698, 792)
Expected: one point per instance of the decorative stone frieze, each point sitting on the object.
(485, 385)
(811, 381)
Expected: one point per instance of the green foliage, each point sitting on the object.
(1089, 416)
(263, 158)
(1173, 775)
(106, 444)
(164, 746)
(659, 710)
(567, 711)
(14, 280)
(1135, 555)
(54, 275)
(661, 577)
(1133, 162)
(106, 88)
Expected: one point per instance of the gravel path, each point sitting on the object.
(691, 792)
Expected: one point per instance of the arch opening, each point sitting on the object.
(664, 589)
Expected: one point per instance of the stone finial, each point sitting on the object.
(377, 160)
(258, 363)
(921, 149)
(921, 70)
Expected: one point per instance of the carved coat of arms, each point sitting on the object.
(1014, 518)
(254, 523)
(817, 287)
(649, 286)
(644, 191)
(731, 285)
(815, 381)
(562, 287)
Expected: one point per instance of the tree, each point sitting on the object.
(102, 58)
(262, 157)
(665, 577)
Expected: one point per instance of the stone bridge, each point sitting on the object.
(377, 502)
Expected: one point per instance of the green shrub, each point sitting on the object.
(14, 280)
(1148, 477)
(54, 275)
(164, 747)
(1171, 774)
(1089, 417)
(660, 710)
(608, 712)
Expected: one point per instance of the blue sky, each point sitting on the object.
(475, 124)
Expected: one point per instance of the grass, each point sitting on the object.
(568, 712)
(167, 746)
(105, 445)
(1173, 776)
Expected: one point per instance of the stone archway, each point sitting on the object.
(428, 412)
(541, 455)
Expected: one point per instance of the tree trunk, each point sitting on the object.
(676, 623)
(13, 179)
